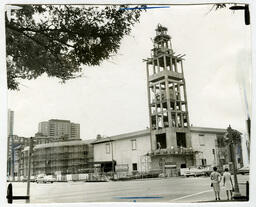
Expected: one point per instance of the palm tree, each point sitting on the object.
(232, 138)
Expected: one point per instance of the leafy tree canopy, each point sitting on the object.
(59, 39)
(232, 136)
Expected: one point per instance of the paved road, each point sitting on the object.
(177, 189)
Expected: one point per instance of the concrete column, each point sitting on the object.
(156, 112)
(164, 57)
(149, 105)
(158, 65)
(185, 94)
(175, 63)
(161, 105)
(168, 101)
(171, 68)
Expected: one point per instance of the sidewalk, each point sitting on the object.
(208, 196)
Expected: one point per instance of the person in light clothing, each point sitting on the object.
(215, 179)
(227, 182)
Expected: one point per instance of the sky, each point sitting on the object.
(112, 99)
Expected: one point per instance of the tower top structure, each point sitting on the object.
(162, 41)
(161, 32)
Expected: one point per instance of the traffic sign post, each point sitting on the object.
(10, 196)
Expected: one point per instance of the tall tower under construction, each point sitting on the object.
(168, 110)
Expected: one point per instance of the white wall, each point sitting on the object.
(122, 151)
(204, 144)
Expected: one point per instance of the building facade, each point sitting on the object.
(123, 153)
(131, 152)
(10, 141)
(205, 142)
(59, 128)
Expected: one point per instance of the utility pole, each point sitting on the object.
(29, 167)
(232, 137)
(112, 157)
(246, 12)
(233, 159)
(12, 157)
(248, 124)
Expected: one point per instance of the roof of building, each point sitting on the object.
(62, 143)
(60, 120)
(147, 132)
(123, 136)
(207, 130)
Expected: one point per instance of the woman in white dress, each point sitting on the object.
(227, 182)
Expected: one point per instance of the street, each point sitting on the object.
(175, 189)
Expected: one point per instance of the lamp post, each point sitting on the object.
(232, 137)
(112, 157)
(246, 12)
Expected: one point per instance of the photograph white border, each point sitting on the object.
(4, 105)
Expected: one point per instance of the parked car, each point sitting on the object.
(244, 170)
(50, 178)
(193, 172)
(32, 179)
(42, 178)
(24, 179)
(208, 170)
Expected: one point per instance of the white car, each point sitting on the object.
(42, 178)
(193, 172)
(50, 178)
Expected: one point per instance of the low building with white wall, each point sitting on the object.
(204, 141)
(212, 149)
(131, 152)
(123, 152)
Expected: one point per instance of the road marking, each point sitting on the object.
(191, 195)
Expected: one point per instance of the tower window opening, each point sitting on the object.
(151, 70)
(179, 120)
(160, 122)
(182, 95)
(178, 107)
(153, 110)
(173, 119)
(168, 63)
(175, 65)
(181, 139)
(183, 107)
(161, 141)
(166, 123)
(164, 106)
(178, 65)
(185, 120)
(153, 120)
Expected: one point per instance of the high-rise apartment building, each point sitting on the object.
(10, 153)
(10, 122)
(56, 128)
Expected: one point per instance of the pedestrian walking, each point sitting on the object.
(215, 182)
(227, 182)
